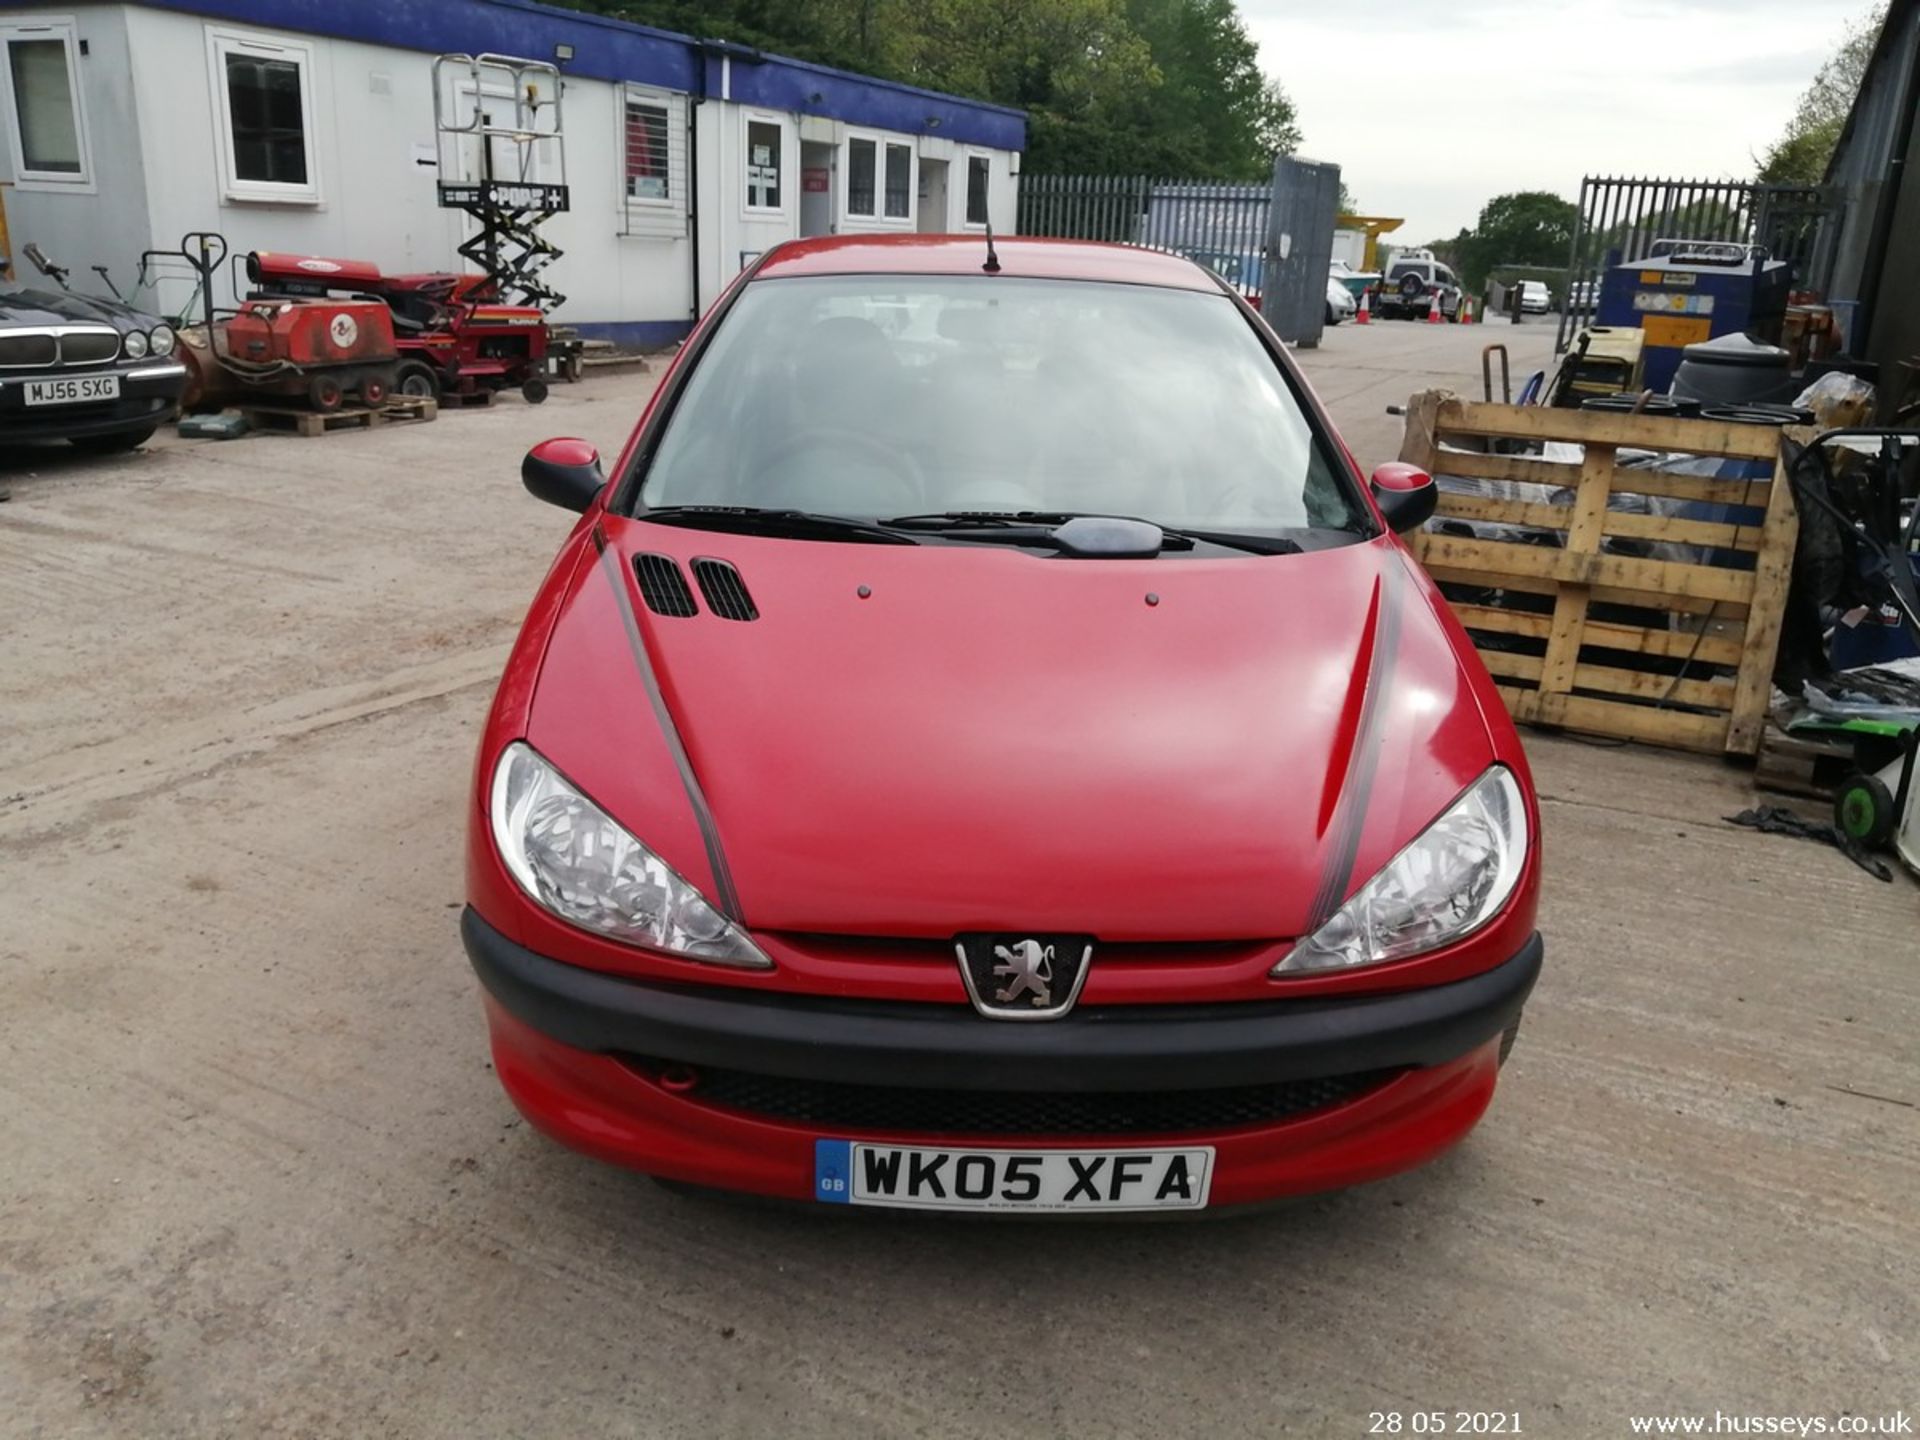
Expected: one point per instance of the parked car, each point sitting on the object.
(1411, 284)
(93, 372)
(1341, 304)
(1356, 281)
(1534, 299)
(1027, 776)
(1583, 295)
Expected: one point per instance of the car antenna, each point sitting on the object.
(992, 267)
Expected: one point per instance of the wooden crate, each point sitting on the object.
(1589, 639)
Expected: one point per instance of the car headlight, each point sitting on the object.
(1444, 886)
(135, 344)
(573, 860)
(162, 339)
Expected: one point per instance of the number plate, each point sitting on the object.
(73, 392)
(853, 1172)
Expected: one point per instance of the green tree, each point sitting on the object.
(1109, 86)
(1076, 66)
(1530, 227)
(1800, 155)
(1208, 110)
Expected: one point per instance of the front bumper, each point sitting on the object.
(611, 1066)
(149, 396)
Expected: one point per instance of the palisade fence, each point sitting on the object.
(1223, 226)
(1620, 218)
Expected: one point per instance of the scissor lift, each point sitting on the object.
(510, 110)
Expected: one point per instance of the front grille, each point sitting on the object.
(29, 349)
(45, 349)
(835, 1106)
(88, 347)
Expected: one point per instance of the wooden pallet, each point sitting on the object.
(614, 364)
(471, 399)
(290, 419)
(1801, 764)
(1579, 635)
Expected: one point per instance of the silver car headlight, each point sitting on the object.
(161, 338)
(135, 344)
(572, 859)
(1448, 883)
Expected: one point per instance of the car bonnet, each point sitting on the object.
(923, 740)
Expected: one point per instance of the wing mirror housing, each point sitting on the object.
(1405, 494)
(563, 472)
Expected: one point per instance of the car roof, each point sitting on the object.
(1030, 257)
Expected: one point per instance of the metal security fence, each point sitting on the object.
(1272, 241)
(1621, 217)
(1223, 226)
(1083, 207)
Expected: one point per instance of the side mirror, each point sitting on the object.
(563, 472)
(1406, 496)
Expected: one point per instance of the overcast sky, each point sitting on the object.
(1684, 88)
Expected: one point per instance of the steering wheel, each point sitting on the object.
(903, 477)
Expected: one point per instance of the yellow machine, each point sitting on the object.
(1373, 227)
(1605, 360)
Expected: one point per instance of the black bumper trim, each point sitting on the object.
(1114, 1047)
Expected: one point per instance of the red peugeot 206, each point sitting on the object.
(983, 747)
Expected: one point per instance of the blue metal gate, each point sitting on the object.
(1234, 229)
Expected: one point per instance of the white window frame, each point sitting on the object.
(846, 177)
(881, 141)
(967, 222)
(65, 29)
(748, 119)
(649, 100)
(220, 44)
(887, 147)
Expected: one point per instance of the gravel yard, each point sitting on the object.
(259, 1182)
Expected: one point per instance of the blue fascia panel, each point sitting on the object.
(634, 334)
(618, 51)
(781, 84)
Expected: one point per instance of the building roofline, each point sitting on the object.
(879, 81)
(616, 51)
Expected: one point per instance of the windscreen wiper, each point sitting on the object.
(788, 524)
(992, 527)
(1036, 526)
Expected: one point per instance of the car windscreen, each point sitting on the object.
(879, 396)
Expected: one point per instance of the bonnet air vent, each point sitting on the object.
(663, 587)
(726, 592)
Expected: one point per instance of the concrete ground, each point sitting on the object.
(258, 1181)
(1359, 370)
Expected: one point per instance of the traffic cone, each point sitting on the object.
(1365, 314)
(1433, 310)
(1466, 311)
